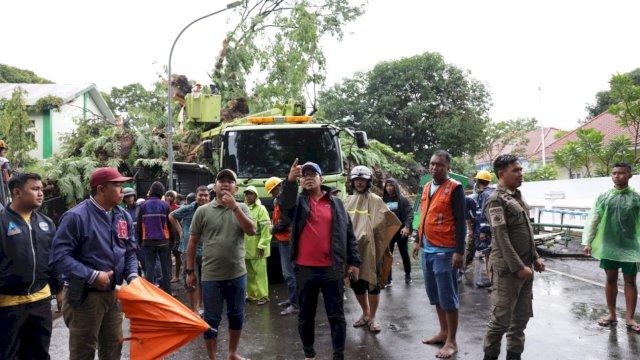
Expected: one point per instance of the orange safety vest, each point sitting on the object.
(436, 217)
(282, 236)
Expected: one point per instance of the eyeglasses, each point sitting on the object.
(309, 174)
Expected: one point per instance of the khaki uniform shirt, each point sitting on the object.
(512, 245)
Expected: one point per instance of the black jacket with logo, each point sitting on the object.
(24, 253)
(296, 207)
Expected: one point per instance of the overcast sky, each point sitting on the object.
(569, 49)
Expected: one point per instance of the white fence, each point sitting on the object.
(569, 194)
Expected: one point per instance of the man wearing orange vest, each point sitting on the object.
(441, 243)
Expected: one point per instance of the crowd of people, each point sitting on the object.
(326, 246)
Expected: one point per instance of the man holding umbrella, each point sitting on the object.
(94, 249)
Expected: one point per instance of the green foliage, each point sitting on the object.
(85, 129)
(617, 150)
(560, 133)
(141, 107)
(379, 155)
(590, 143)
(281, 39)
(463, 165)
(48, 102)
(157, 167)
(149, 146)
(16, 127)
(606, 98)
(14, 75)
(569, 156)
(71, 175)
(591, 154)
(417, 104)
(105, 146)
(509, 134)
(627, 90)
(537, 172)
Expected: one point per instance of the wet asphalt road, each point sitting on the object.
(568, 300)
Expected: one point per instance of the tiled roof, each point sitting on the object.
(605, 123)
(533, 146)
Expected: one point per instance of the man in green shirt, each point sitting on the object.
(221, 225)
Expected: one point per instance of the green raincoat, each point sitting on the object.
(613, 227)
(257, 281)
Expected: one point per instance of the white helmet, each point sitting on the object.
(360, 171)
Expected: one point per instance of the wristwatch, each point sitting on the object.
(188, 271)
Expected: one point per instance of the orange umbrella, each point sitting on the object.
(160, 324)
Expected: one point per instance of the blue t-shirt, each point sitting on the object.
(184, 215)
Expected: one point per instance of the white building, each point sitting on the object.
(80, 101)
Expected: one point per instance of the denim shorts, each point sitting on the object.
(215, 294)
(440, 280)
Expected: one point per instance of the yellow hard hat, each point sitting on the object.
(483, 175)
(271, 183)
(2, 144)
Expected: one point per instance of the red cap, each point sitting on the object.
(107, 174)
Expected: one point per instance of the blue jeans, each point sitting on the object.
(440, 279)
(287, 270)
(311, 281)
(164, 253)
(214, 294)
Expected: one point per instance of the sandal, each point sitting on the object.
(604, 322)
(374, 327)
(363, 321)
(633, 328)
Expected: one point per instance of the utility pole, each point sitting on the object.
(169, 113)
(542, 136)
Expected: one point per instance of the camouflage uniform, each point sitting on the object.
(512, 249)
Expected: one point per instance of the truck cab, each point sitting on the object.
(257, 152)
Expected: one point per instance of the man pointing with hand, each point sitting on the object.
(322, 246)
(221, 225)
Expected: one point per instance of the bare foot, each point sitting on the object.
(447, 351)
(633, 326)
(438, 339)
(609, 320)
(236, 357)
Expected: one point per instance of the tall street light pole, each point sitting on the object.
(169, 112)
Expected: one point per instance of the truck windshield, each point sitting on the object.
(264, 153)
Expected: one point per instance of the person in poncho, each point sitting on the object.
(612, 235)
(374, 226)
(258, 249)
